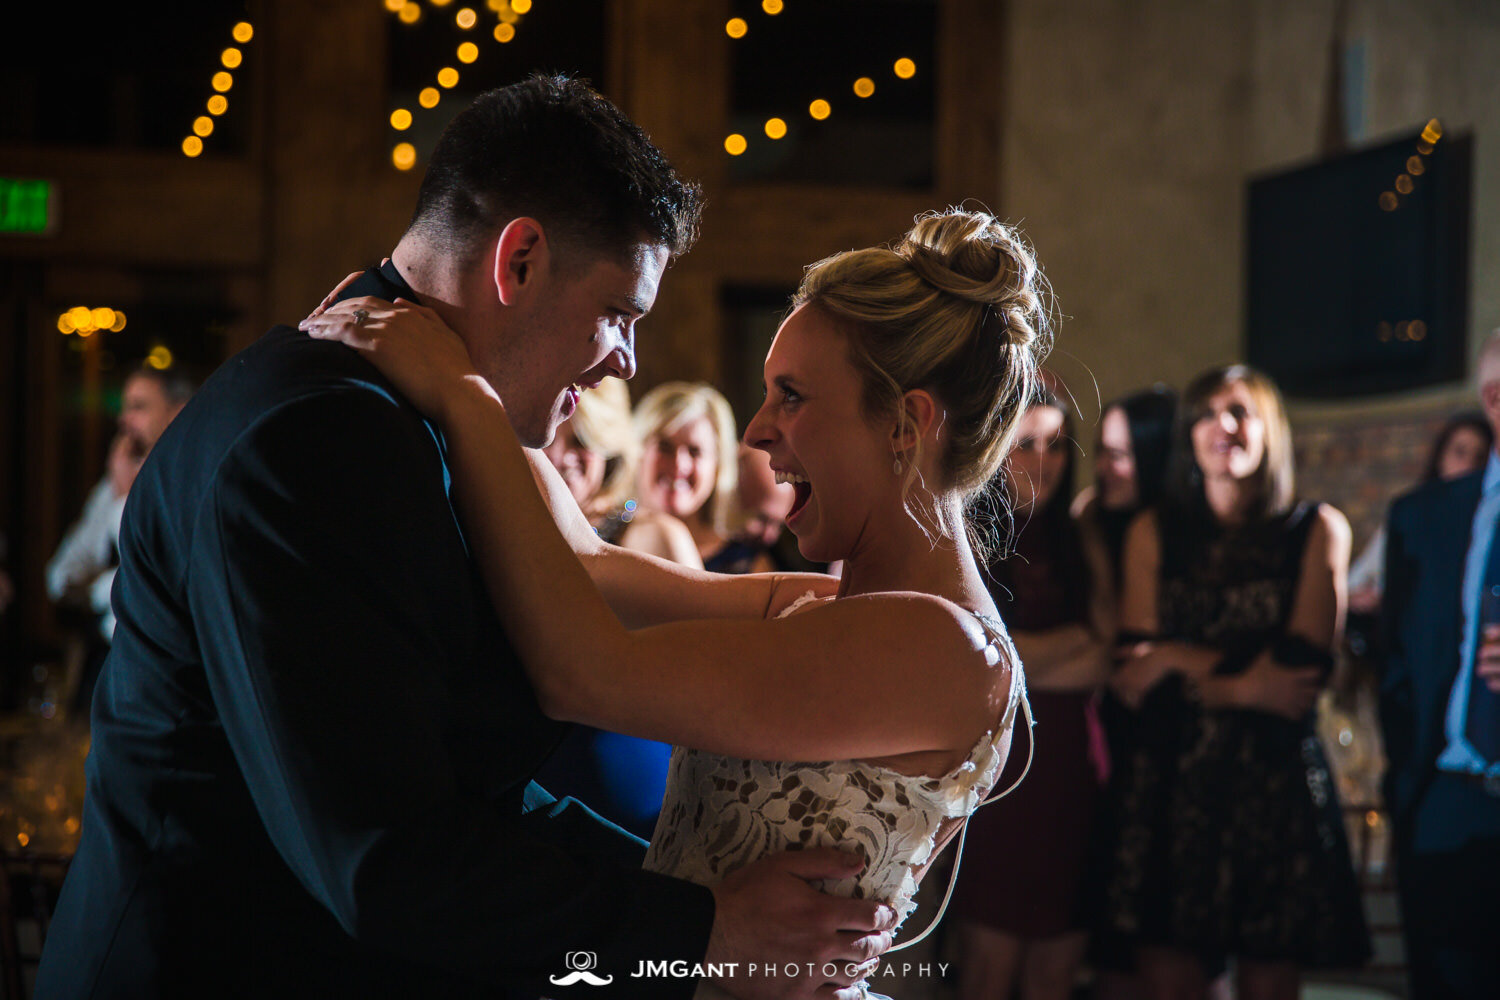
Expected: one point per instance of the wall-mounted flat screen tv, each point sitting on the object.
(1359, 269)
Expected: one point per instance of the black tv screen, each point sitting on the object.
(1358, 269)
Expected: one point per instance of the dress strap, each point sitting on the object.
(1018, 690)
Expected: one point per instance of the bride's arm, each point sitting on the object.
(825, 684)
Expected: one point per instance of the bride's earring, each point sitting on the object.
(897, 467)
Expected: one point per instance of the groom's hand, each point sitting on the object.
(767, 917)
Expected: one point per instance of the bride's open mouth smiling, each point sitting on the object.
(800, 487)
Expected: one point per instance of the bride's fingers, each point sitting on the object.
(328, 299)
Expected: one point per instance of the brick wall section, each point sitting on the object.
(1360, 466)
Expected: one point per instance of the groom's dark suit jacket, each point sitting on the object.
(312, 743)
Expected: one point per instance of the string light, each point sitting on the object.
(160, 358)
(447, 78)
(410, 14)
(905, 68)
(401, 119)
(735, 144)
(466, 18)
(85, 321)
(468, 52)
(429, 97)
(231, 58)
(404, 156)
(819, 109)
(772, 7)
(736, 27)
(504, 33)
(864, 87)
(775, 128)
(522, 7)
(394, 6)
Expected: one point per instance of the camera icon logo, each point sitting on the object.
(581, 963)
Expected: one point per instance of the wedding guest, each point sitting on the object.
(1440, 712)
(876, 716)
(760, 509)
(1130, 466)
(595, 452)
(688, 467)
(83, 567)
(1231, 843)
(1462, 446)
(1020, 892)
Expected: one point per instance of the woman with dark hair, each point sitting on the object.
(1231, 844)
(1130, 465)
(1462, 446)
(1018, 897)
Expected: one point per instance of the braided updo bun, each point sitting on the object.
(957, 306)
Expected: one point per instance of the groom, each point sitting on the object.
(312, 742)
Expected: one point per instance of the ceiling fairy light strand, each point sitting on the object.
(508, 14)
(231, 58)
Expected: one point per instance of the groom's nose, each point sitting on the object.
(621, 361)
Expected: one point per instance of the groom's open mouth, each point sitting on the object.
(801, 489)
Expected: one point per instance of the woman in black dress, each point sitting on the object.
(1231, 843)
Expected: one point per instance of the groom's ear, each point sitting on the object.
(521, 253)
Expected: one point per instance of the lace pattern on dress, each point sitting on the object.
(721, 813)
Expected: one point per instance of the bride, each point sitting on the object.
(893, 392)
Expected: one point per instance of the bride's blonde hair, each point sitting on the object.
(959, 307)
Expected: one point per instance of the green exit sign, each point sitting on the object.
(26, 206)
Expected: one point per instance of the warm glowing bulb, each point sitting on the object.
(521, 6)
(404, 156)
(65, 324)
(772, 7)
(1403, 184)
(820, 109)
(394, 6)
(104, 317)
(82, 317)
(192, 145)
(468, 52)
(735, 144)
(231, 58)
(410, 14)
(905, 68)
(504, 33)
(506, 15)
(400, 119)
(119, 323)
(775, 128)
(864, 87)
(447, 77)
(466, 18)
(1388, 201)
(218, 104)
(1415, 166)
(203, 125)
(243, 32)
(223, 81)
(160, 358)
(428, 98)
(736, 27)
(440, 3)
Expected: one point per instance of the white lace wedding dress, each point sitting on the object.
(721, 813)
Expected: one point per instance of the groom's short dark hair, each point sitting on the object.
(552, 148)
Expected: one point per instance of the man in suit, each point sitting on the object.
(1440, 713)
(312, 742)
